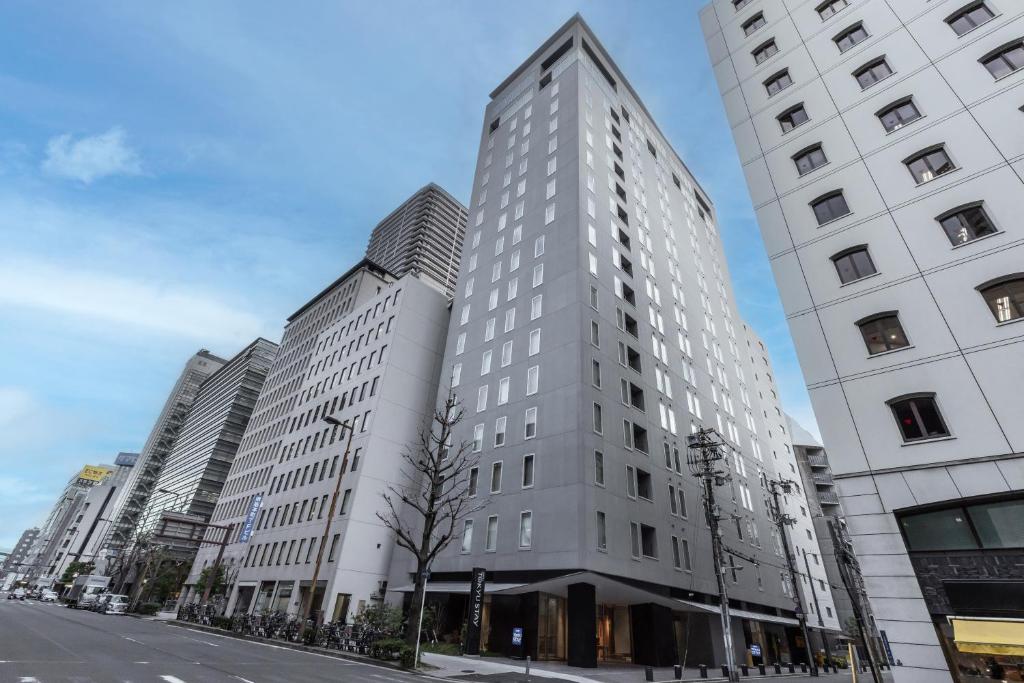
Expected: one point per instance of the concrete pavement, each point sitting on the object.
(46, 643)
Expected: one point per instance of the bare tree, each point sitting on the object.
(426, 511)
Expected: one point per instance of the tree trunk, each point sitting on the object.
(412, 628)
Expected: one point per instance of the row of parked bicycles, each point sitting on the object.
(281, 626)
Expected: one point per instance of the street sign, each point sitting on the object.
(517, 636)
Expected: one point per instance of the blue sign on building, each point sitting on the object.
(755, 650)
(517, 636)
(250, 518)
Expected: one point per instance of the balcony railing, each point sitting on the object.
(817, 460)
(828, 497)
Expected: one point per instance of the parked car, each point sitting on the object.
(100, 605)
(84, 590)
(85, 601)
(48, 596)
(116, 604)
(18, 594)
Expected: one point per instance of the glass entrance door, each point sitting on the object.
(551, 627)
(614, 639)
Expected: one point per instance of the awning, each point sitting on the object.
(989, 636)
(609, 591)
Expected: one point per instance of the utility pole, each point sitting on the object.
(848, 569)
(215, 570)
(783, 520)
(817, 608)
(308, 603)
(703, 455)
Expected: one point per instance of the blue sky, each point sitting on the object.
(184, 175)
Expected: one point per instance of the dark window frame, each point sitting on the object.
(876, 318)
(814, 203)
(788, 112)
(760, 49)
(869, 66)
(1000, 52)
(964, 12)
(1017, 306)
(805, 152)
(748, 27)
(895, 106)
(957, 211)
(922, 155)
(828, 5)
(849, 251)
(846, 33)
(911, 400)
(775, 77)
(740, 4)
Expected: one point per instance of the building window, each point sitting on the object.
(602, 532)
(499, 431)
(531, 423)
(599, 468)
(830, 207)
(492, 534)
(810, 159)
(598, 419)
(918, 417)
(929, 164)
(793, 117)
(898, 114)
(474, 478)
(478, 438)
(753, 23)
(467, 535)
(481, 399)
(595, 377)
(1005, 60)
(525, 529)
(649, 541)
(828, 9)
(778, 82)
(988, 525)
(534, 343)
(966, 224)
(882, 332)
(528, 471)
(872, 72)
(765, 51)
(536, 304)
(532, 380)
(850, 37)
(1005, 297)
(634, 540)
(737, 5)
(969, 18)
(853, 264)
(496, 477)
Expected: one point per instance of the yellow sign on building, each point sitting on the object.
(94, 474)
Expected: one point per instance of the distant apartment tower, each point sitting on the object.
(194, 472)
(882, 147)
(593, 329)
(135, 494)
(15, 561)
(423, 235)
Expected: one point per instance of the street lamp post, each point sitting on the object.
(308, 603)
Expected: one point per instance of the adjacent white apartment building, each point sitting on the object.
(883, 145)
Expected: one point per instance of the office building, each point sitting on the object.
(15, 560)
(51, 545)
(423, 235)
(131, 502)
(882, 149)
(367, 346)
(593, 329)
(193, 475)
(88, 528)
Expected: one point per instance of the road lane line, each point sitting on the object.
(133, 640)
(244, 680)
(33, 679)
(172, 679)
(204, 642)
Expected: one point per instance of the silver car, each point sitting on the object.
(116, 604)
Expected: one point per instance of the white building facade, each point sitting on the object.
(883, 145)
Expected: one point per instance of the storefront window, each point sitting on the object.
(999, 525)
(940, 530)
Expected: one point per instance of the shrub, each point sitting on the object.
(386, 648)
(221, 623)
(407, 656)
(149, 608)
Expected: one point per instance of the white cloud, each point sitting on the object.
(90, 158)
(121, 301)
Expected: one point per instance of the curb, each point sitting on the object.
(336, 654)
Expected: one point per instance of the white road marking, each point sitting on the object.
(132, 639)
(204, 642)
(33, 679)
(172, 679)
(244, 680)
(141, 662)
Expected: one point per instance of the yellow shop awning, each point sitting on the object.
(989, 636)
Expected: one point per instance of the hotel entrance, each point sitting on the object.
(551, 626)
(614, 637)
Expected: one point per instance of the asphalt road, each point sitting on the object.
(47, 643)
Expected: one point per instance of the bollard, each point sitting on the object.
(527, 668)
(778, 668)
(648, 673)
(744, 669)
(725, 671)
(760, 669)
(678, 670)
(703, 670)
(803, 667)
(792, 668)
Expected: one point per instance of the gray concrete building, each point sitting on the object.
(131, 502)
(882, 147)
(16, 559)
(424, 235)
(593, 329)
(374, 363)
(193, 475)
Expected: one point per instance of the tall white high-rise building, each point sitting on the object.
(883, 145)
(593, 329)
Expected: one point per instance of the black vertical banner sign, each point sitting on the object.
(474, 623)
